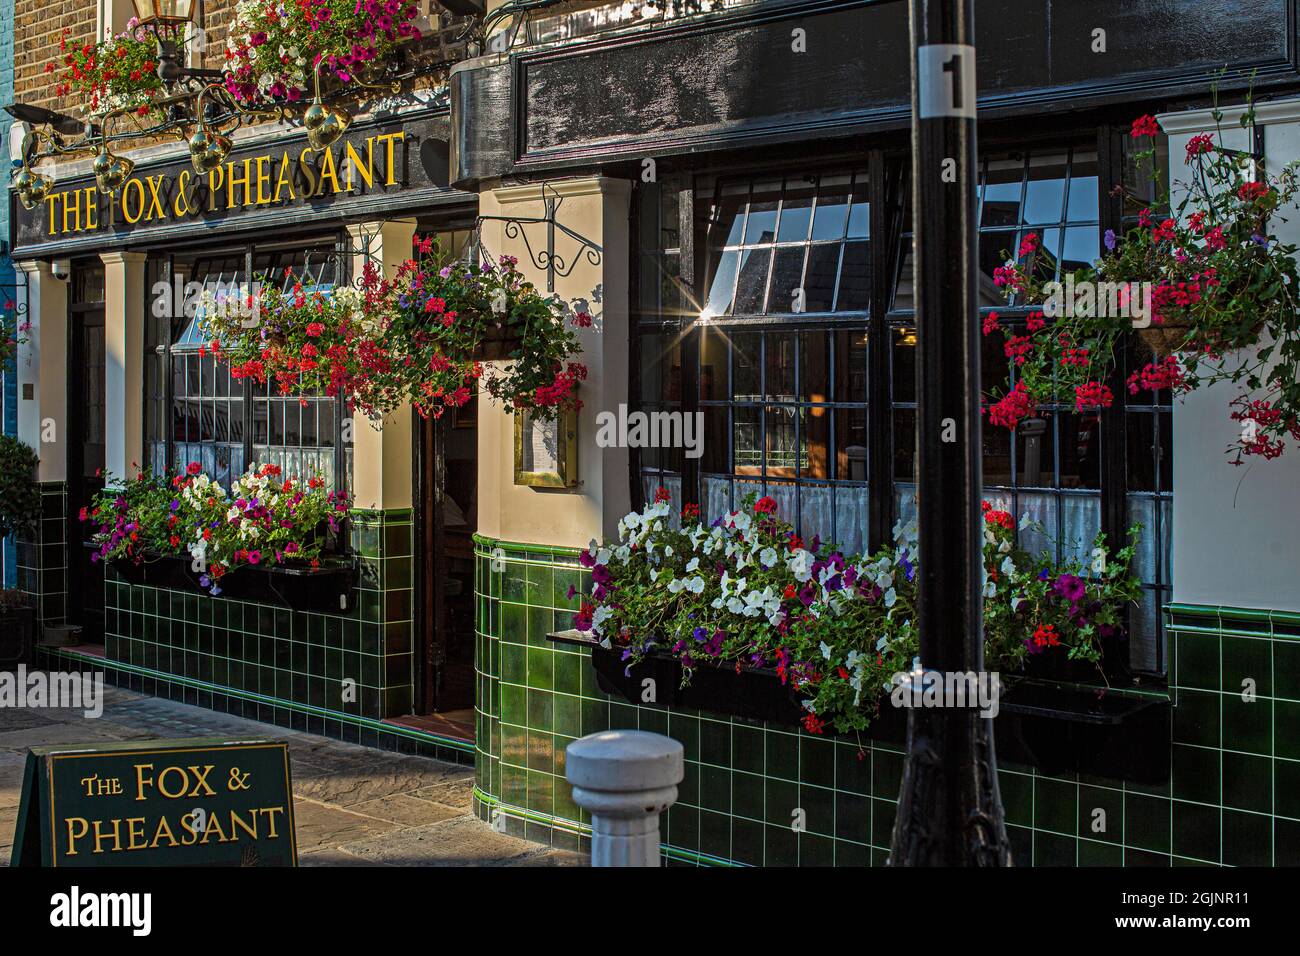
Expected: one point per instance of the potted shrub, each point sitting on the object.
(17, 628)
(20, 496)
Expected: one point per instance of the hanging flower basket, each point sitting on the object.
(421, 338)
(119, 74)
(273, 50)
(1210, 282)
(1164, 340)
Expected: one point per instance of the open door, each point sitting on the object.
(445, 520)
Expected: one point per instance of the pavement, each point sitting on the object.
(353, 806)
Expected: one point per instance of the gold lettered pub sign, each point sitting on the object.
(377, 166)
(203, 802)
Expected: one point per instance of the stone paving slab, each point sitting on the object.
(353, 805)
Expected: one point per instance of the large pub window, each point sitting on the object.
(196, 411)
(780, 308)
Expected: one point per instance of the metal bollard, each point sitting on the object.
(625, 779)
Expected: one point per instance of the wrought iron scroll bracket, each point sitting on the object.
(542, 257)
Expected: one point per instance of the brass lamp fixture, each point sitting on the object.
(169, 13)
(192, 104)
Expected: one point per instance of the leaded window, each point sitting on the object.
(754, 308)
(196, 411)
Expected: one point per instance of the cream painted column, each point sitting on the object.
(596, 209)
(1249, 515)
(381, 452)
(124, 312)
(43, 371)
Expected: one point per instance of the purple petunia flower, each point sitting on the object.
(1109, 239)
(1070, 587)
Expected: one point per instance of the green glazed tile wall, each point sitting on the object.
(1233, 798)
(42, 558)
(278, 653)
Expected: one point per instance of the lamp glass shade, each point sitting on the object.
(164, 12)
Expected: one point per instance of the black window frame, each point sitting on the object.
(888, 176)
(162, 355)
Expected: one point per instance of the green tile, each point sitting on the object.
(1248, 782)
(1286, 668)
(1287, 717)
(1247, 839)
(1248, 725)
(782, 755)
(1017, 797)
(1196, 718)
(1288, 788)
(1195, 773)
(1146, 822)
(1196, 831)
(541, 668)
(1101, 814)
(1248, 659)
(541, 622)
(1092, 853)
(1056, 806)
(1197, 660)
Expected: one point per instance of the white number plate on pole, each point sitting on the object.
(946, 74)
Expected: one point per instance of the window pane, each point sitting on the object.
(761, 224)
(796, 210)
(752, 284)
(1002, 193)
(724, 285)
(860, 212)
(787, 280)
(832, 208)
(780, 366)
(745, 352)
(819, 286)
(1045, 191)
(855, 279)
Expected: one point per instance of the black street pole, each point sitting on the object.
(949, 809)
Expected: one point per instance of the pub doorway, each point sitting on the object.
(85, 442)
(446, 458)
(445, 489)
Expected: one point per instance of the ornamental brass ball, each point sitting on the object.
(314, 116)
(208, 151)
(111, 171)
(31, 187)
(329, 129)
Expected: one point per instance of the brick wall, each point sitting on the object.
(36, 42)
(216, 18)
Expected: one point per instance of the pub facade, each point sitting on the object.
(723, 188)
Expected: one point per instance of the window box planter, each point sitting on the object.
(1083, 730)
(1054, 727)
(17, 636)
(751, 693)
(327, 589)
